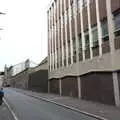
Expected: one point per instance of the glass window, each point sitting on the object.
(84, 3)
(95, 36)
(80, 42)
(117, 21)
(104, 28)
(69, 52)
(74, 44)
(87, 43)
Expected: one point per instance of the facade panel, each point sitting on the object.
(93, 13)
(102, 9)
(85, 19)
(69, 86)
(115, 4)
(98, 87)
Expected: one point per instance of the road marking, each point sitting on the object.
(15, 117)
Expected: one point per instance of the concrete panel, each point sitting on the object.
(98, 87)
(69, 86)
(96, 64)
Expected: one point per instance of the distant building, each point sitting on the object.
(1, 78)
(84, 49)
(32, 78)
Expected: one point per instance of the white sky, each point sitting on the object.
(25, 31)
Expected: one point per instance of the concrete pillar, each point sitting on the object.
(82, 29)
(66, 37)
(116, 89)
(111, 30)
(99, 27)
(59, 44)
(71, 40)
(50, 41)
(52, 58)
(62, 32)
(55, 35)
(48, 86)
(76, 30)
(60, 87)
(90, 29)
(79, 87)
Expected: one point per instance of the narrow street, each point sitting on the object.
(29, 108)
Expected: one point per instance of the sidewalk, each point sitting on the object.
(5, 114)
(104, 111)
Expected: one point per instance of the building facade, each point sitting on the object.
(84, 49)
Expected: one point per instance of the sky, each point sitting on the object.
(24, 33)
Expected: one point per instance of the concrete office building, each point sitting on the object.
(84, 49)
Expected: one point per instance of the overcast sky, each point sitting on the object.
(25, 31)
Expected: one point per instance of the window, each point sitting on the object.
(117, 24)
(74, 50)
(105, 30)
(74, 44)
(95, 36)
(84, 3)
(69, 52)
(80, 42)
(87, 43)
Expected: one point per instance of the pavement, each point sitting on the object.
(5, 114)
(26, 107)
(97, 110)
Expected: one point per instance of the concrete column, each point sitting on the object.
(66, 37)
(99, 27)
(79, 87)
(48, 86)
(55, 35)
(82, 29)
(52, 56)
(62, 33)
(116, 89)
(76, 30)
(71, 41)
(58, 43)
(111, 30)
(49, 40)
(60, 87)
(52, 51)
(90, 29)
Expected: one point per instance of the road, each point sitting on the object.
(29, 108)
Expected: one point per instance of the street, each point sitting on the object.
(29, 108)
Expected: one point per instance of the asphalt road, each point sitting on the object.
(5, 114)
(29, 108)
